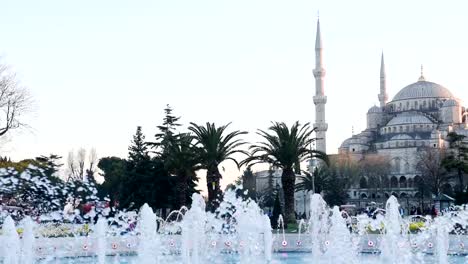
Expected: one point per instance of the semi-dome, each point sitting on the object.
(423, 89)
(409, 118)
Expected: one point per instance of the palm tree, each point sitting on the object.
(314, 182)
(182, 161)
(285, 148)
(215, 146)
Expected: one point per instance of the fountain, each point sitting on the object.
(340, 249)
(28, 241)
(148, 248)
(238, 232)
(394, 244)
(318, 223)
(10, 242)
(101, 227)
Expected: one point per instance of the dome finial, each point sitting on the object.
(421, 78)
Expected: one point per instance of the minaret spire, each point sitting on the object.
(383, 97)
(319, 99)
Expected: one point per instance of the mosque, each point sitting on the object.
(420, 115)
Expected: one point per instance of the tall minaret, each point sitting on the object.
(383, 97)
(319, 99)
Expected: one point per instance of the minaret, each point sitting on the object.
(319, 99)
(383, 97)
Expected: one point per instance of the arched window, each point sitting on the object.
(410, 183)
(363, 196)
(395, 194)
(387, 195)
(394, 182)
(403, 195)
(417, 195)
(415, 104)
(407, 167)
(363, 183)
(402, 182)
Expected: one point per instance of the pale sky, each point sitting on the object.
(97, 69)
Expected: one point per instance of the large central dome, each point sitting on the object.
(423, 89)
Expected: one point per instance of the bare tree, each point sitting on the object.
(434, 175)
(71, 165)
(81, 159)
(92, 159)
(80, 168)
(15, 101)
(377, 170)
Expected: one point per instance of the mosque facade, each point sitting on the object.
(419, 116)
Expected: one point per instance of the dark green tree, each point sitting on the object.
(215, 146)
(457, 158)
(49, 164)
(113, 170)
(249, 184)
(166, 132)
(335, 187)
(146, 179)
(180, 157)
(285, 148)
(182, 161)
(138, 150)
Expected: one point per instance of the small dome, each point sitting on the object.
(346, 143)
(409, 118)
(374, 109)
(451, 102)
(423, 89)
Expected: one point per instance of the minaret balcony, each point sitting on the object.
(319, 72)
(320, 99)
(321, 126)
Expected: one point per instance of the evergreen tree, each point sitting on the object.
(180, 157)
(146, 180)
(138, 150)
(170, 123)
(50, 164)
(167, 132)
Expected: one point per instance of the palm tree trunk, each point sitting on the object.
(288, 179)
(212, 181)
(181, 188)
